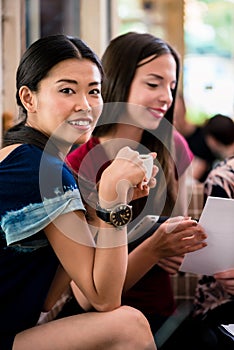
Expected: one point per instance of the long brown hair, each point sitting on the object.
(120, 61)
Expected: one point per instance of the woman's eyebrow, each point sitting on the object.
(157, 76)
(64, 80)
(95, 83)
(71, 81)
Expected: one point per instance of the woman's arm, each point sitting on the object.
(99, 269)
(172, 238)
(98, 272)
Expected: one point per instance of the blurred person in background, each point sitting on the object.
(209, 142)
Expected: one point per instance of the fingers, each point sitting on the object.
(194, 247)
(225, 274)
(140, 176)
(185, 228)
(137, 192)
(186, 235)
(193, 239)
(179, 223)
(154, 154)
(152, 182)
(130, 161)
(172, 224)
(176, 260)
(169, 269)
(171, 264)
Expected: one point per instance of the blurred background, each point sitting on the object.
(200, 30)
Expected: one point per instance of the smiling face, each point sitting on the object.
(68, 101)
(150, 95)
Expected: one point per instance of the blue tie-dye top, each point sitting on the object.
(35, 188)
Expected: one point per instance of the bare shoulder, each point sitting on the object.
(4, 152)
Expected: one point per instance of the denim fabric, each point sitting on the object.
(35, 188)
(23, 223)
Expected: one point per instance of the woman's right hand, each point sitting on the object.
(122, 176)
(177, 236)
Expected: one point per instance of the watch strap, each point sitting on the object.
(103, 214)
(118, 216)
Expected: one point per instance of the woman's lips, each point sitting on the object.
(81, 123)
(157, 113)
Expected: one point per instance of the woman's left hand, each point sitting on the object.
(171, 264)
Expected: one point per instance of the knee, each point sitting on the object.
(136, 328)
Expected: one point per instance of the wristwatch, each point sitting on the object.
(118, 216)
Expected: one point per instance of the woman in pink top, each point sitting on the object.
(139, 89)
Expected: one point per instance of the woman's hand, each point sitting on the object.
(176, 237)
(143, 191)
(123, 179)
(226, 279)
(172, 264)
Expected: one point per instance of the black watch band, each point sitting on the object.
(118, 216)
(103, 214)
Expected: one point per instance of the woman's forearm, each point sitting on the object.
(110, 264)
(140, 261)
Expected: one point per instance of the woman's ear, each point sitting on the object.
(27, 98)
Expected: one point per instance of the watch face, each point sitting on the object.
(121, 215)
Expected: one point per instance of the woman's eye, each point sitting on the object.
(95, 92)
(152, 85)
(67, 91)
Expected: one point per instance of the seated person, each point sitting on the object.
(214, 295)
(210, 143)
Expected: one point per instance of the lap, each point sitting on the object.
(78, 332)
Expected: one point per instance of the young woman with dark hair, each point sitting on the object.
(45, 240)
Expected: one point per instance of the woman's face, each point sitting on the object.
(68, 101)
(150, 94)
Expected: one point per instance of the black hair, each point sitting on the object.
(221, 127)
(34, 66)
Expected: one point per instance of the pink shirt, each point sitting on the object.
(153, 293)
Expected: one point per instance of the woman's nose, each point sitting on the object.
(82, 104)
(166, 96)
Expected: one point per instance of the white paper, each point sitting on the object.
(217, 219)
(229, 328)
